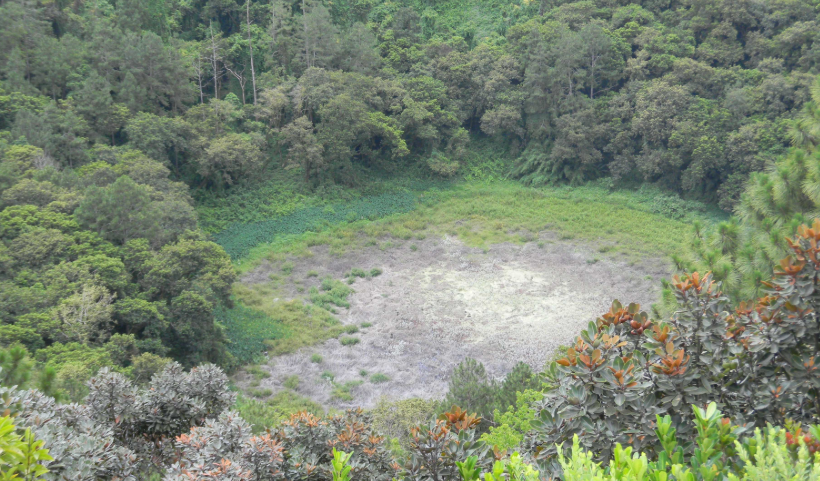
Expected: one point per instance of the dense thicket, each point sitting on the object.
(103, 265)
(687, 93)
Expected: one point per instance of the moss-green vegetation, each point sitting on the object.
(272, 411)
(331, 293)
(649, 222)
(305, 324)
(292, 382)
(342, 391)
(260, 392)
(248, 329)
(379, 378)
(239, 239)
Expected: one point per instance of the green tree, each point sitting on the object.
(304, 150)
(119, 212)
(229, 158)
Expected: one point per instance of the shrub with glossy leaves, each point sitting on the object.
(718, 454)
(759, 361)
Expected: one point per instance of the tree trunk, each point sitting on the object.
(250, 47)
(214, 62)
(304, 25)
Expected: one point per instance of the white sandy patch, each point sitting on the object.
(443, 302)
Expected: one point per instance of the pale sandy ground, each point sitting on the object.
(435, 306)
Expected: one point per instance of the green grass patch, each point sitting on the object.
(342, 391)
(248, 330)
(305, 324)
(292, 382)
(351, 329)
(349, 341)
(316, 358)
(257, 372)
(272, 412)
(331, 293)
(640, 221)
(239, 239)
(260, 393)
(379, 378)
(365, 325)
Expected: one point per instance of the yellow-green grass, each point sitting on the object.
(305, 323)
(485, 214)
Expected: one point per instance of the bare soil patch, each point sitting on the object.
(438, 301)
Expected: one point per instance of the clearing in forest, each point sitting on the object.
(437, 301)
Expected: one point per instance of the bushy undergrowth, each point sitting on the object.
(262, 415)
(719, 454)
(471, 388)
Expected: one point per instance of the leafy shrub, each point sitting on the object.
(342, 391)
(260, 393)
(349, 341)
(396, 419)
(351, 329)
(442, 165)
(333, 293)
(436, 448)
(379, 378)
(225, 449)
(625, 368)
(375, 272)
(316, 358)
(471, 387)
(514, 469)
(292, 382)
(121, 429)
(356, 272)
(272, 412)
(21, 456)
(718, 453)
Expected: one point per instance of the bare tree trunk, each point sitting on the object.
(250, 47)
(199, 71)
(240, 77)
(214, 61)
(304, 24)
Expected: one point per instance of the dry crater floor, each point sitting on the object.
(439, 301)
